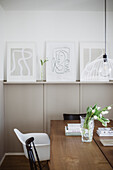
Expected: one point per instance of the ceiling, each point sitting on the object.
(58, 5)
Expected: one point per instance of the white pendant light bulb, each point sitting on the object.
(105, 68)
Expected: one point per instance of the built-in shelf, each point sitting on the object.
(44, 82)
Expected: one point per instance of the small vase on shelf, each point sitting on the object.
(41, 72)
(42, 68)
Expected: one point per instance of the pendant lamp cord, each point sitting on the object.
(105, 55)
(105, 26)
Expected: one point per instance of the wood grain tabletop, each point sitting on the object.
(70, 153)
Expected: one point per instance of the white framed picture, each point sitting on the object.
(91, 57)
(61, 65)
(21, 60)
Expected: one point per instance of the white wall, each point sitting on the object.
(56, 26)
(2, 128)
(110, 34)
(1, 42)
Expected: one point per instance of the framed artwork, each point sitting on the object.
(21, 60)
(61, 65)
(91, 57)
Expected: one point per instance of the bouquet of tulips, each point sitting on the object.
(97, 113)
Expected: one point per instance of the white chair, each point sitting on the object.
(41, 141)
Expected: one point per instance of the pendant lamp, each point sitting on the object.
(105, 67)
(100, 68)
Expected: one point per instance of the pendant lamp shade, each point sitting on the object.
(101, 68)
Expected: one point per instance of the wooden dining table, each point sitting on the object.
(70, 153)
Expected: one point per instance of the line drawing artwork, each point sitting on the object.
(60, 63)
(21, 62)
(23, 59)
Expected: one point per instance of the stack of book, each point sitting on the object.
(72, 129)
(107, 142)
(105, 131)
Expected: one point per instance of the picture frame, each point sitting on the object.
(21, 62)
(61, 65)
(90, 52)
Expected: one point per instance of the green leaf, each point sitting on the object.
(45, 61)
(94, 107)
(88, 109)
(41, 62)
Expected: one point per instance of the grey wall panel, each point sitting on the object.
(100, 94)
(60, 99)
(31, 107)
(2, 146)
(23, 110)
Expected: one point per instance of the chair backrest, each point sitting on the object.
(20, 136)
(32, 154)
(72, 116)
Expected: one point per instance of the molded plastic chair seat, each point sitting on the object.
(41, 141)
(67, 116)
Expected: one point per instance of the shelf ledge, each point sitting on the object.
(44, 82)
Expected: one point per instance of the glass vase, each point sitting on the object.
(87, 133)
(41, 72)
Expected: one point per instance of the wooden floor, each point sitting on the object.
(17, 163)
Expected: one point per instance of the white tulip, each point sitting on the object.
(104, 124)
(93, 111)
(95, 117)
(109, 108)
(104, 112)
(98, 108)
(108, 120)
(100, 115)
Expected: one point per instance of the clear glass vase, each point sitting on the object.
(87, 134)
(41, 72)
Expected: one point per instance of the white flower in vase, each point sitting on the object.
(88, 124)
(109, 107)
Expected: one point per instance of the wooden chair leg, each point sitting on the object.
(49, 164)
